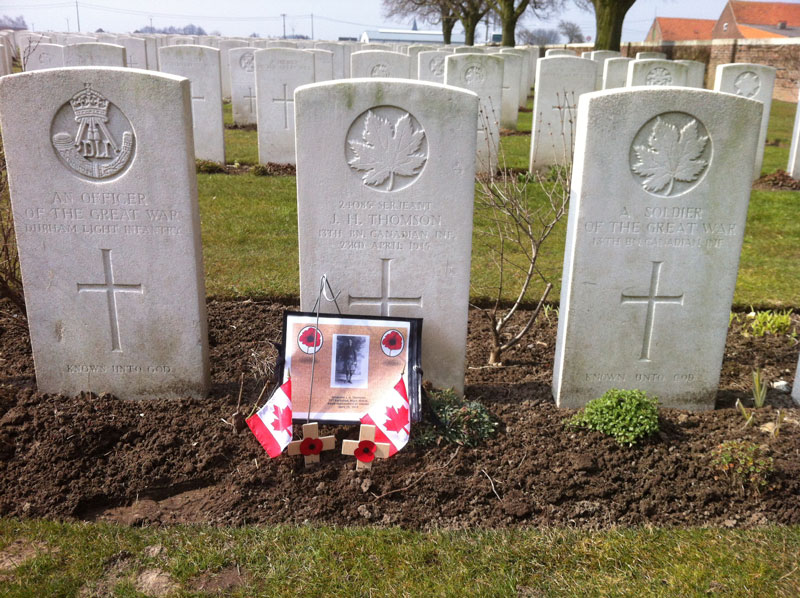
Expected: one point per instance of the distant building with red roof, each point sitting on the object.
(749, 20)
(739, 20)
(667, 29)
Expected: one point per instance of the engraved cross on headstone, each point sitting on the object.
(250, 97)
(651, 299)
(111, 288)
(285, 101)
(386, 301)
(131, 62)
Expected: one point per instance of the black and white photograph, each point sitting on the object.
(350, 363)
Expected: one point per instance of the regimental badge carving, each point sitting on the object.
(246, 62)
(379, 70)
(103, 144)
(436, 65)
(670, 154)
(747, 84)
(387, 145)
(474, 74)
(659, 76)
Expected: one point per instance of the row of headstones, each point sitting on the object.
(562, 79)
(111, 258)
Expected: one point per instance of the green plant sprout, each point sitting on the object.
(769, 321)
(760, 386)
(747, 415)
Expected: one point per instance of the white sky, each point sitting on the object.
(332, 18)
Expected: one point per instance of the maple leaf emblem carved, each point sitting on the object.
(387, 150)
(671, 155)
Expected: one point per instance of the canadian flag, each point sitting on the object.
(272, 424)
(391, 418)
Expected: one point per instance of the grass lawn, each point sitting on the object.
(320, 561)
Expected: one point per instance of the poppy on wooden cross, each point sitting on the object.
(365, 449)
(311, 445)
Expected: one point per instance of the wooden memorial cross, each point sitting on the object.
(365, 449)
(311, 445)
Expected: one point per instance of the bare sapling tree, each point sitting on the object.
(523, 211)
(28, 51)
(10, 278)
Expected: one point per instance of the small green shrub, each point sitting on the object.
(209, 167)
(768, 321)
(466, 423)
(627, 415)
(745, 465)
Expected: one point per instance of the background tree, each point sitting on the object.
(571, 31)
(539, 37)
(470, 13)
(609, 15)
(434, 12)
(510, 12)
(16, 23)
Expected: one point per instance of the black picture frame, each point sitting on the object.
(355, 359)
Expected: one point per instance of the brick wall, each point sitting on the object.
(784, 55)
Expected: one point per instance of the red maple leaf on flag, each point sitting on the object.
(397, 419)
(283, 419)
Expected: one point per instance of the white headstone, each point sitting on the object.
(651, 55)
(135, 52)
(200, 64)
(225, 46)
(482, 74)
(390, 226)
(70, 40)
(368, 47)
(525, 79)
(512, 75)
(323, 64)
(660, 188)
(338, 56)
(695, 73)
(242, 70)
(560, 81)
(379, 63)
(600, 57)
(467, 50)
(615, 72)
(653, 71)
(794, 153)
(754, 81)
(796, 385)
(558, 52)
(413, 53)
(278, 72)
(109, 240)
(45, 56)
(94, 54)
(151, 53)
(430, 66)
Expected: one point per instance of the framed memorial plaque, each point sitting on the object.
(355, 360)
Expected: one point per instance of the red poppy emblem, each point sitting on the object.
(310, 446)
(392, 343)
(366, 451)
(309, 340)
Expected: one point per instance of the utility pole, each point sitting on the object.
(312, 25)
(78, 14)
(151, 25)
(284, 24)
(67, 20)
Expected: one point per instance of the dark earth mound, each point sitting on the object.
(159, 461)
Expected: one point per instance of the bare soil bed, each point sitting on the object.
(163, 462)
